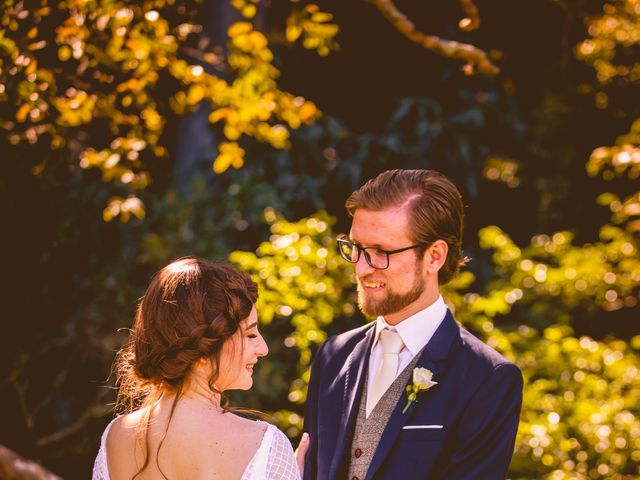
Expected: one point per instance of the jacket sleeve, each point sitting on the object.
(311, 417)
(487, 429)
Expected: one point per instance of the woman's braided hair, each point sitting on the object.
(191, 307)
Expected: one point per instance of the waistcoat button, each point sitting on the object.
(357, 453)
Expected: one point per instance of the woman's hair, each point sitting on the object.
(191, 307)
(435, 210)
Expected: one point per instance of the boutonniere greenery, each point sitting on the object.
(421, 383)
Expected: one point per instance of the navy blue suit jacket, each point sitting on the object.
(476, 402)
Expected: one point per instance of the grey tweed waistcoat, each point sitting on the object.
(368, 431)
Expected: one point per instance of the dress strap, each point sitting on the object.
(100, 468)
(262, 454)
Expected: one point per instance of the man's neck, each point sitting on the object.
(427, 299)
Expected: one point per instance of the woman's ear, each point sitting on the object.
(435, 256)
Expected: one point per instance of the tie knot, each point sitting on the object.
(391, 342)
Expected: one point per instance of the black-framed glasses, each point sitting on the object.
(375, 257)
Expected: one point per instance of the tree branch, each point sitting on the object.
(472, 20)
(96, 411)
(477, 60)
(15, 467)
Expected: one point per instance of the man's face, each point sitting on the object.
(399, 290)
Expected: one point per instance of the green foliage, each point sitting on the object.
(612, 51)
(94, 85)
(581, 397)
(614, 35)
(602, 275)
(303, 289)
(621, 160)
(313, 26)
(125, 67)
(581, 406)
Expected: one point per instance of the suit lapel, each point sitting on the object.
(353, 373)
(432, 357)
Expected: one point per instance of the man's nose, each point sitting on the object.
(362, 267)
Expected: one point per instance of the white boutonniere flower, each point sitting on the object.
(421, 382)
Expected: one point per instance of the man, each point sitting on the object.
(364, 424)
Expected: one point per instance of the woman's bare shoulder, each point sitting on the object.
(121, 438)
(121, 442)
(219, 444)
(125, 426)
(247, 425)
(233, 428)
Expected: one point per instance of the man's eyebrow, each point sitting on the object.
(375, 245)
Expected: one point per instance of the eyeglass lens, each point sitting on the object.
(374, 257)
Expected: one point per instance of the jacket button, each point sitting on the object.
(357, 454)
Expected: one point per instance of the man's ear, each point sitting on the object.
(435, 256)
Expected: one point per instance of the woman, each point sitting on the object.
(195, 336)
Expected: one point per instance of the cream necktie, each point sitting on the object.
(392, 345)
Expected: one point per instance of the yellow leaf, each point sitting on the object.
(31, 68)
(249, 11)
(37, 45)
(231, 132)
(320, 17)
(195, 94)
(259, 41)
(237, 162)
(112, 210)
(23, 111)
(239, 28)
(293, 32)
(152, 118)
(39, 168)
(131, 84)
(64, 53)
(218, 114)
(307, 111)
(221, 163)
(231, 154)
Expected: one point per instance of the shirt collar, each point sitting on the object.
(416, 330)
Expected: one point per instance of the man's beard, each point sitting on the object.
(393, 302)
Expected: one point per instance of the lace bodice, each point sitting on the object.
(274, 459)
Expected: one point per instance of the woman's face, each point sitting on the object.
(239, 354)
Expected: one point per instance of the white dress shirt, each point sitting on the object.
(415, 331)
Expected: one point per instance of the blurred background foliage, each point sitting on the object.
(136, 132)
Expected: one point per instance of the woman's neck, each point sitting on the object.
(196, 388)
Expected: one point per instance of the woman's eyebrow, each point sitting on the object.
(249, 327)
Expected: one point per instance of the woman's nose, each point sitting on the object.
(263, 348)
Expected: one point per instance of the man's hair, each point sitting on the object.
(434, 205)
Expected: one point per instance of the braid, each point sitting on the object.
(190, 309)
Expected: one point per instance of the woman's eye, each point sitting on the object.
(253, 335)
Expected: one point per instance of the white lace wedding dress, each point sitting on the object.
(274, 459)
